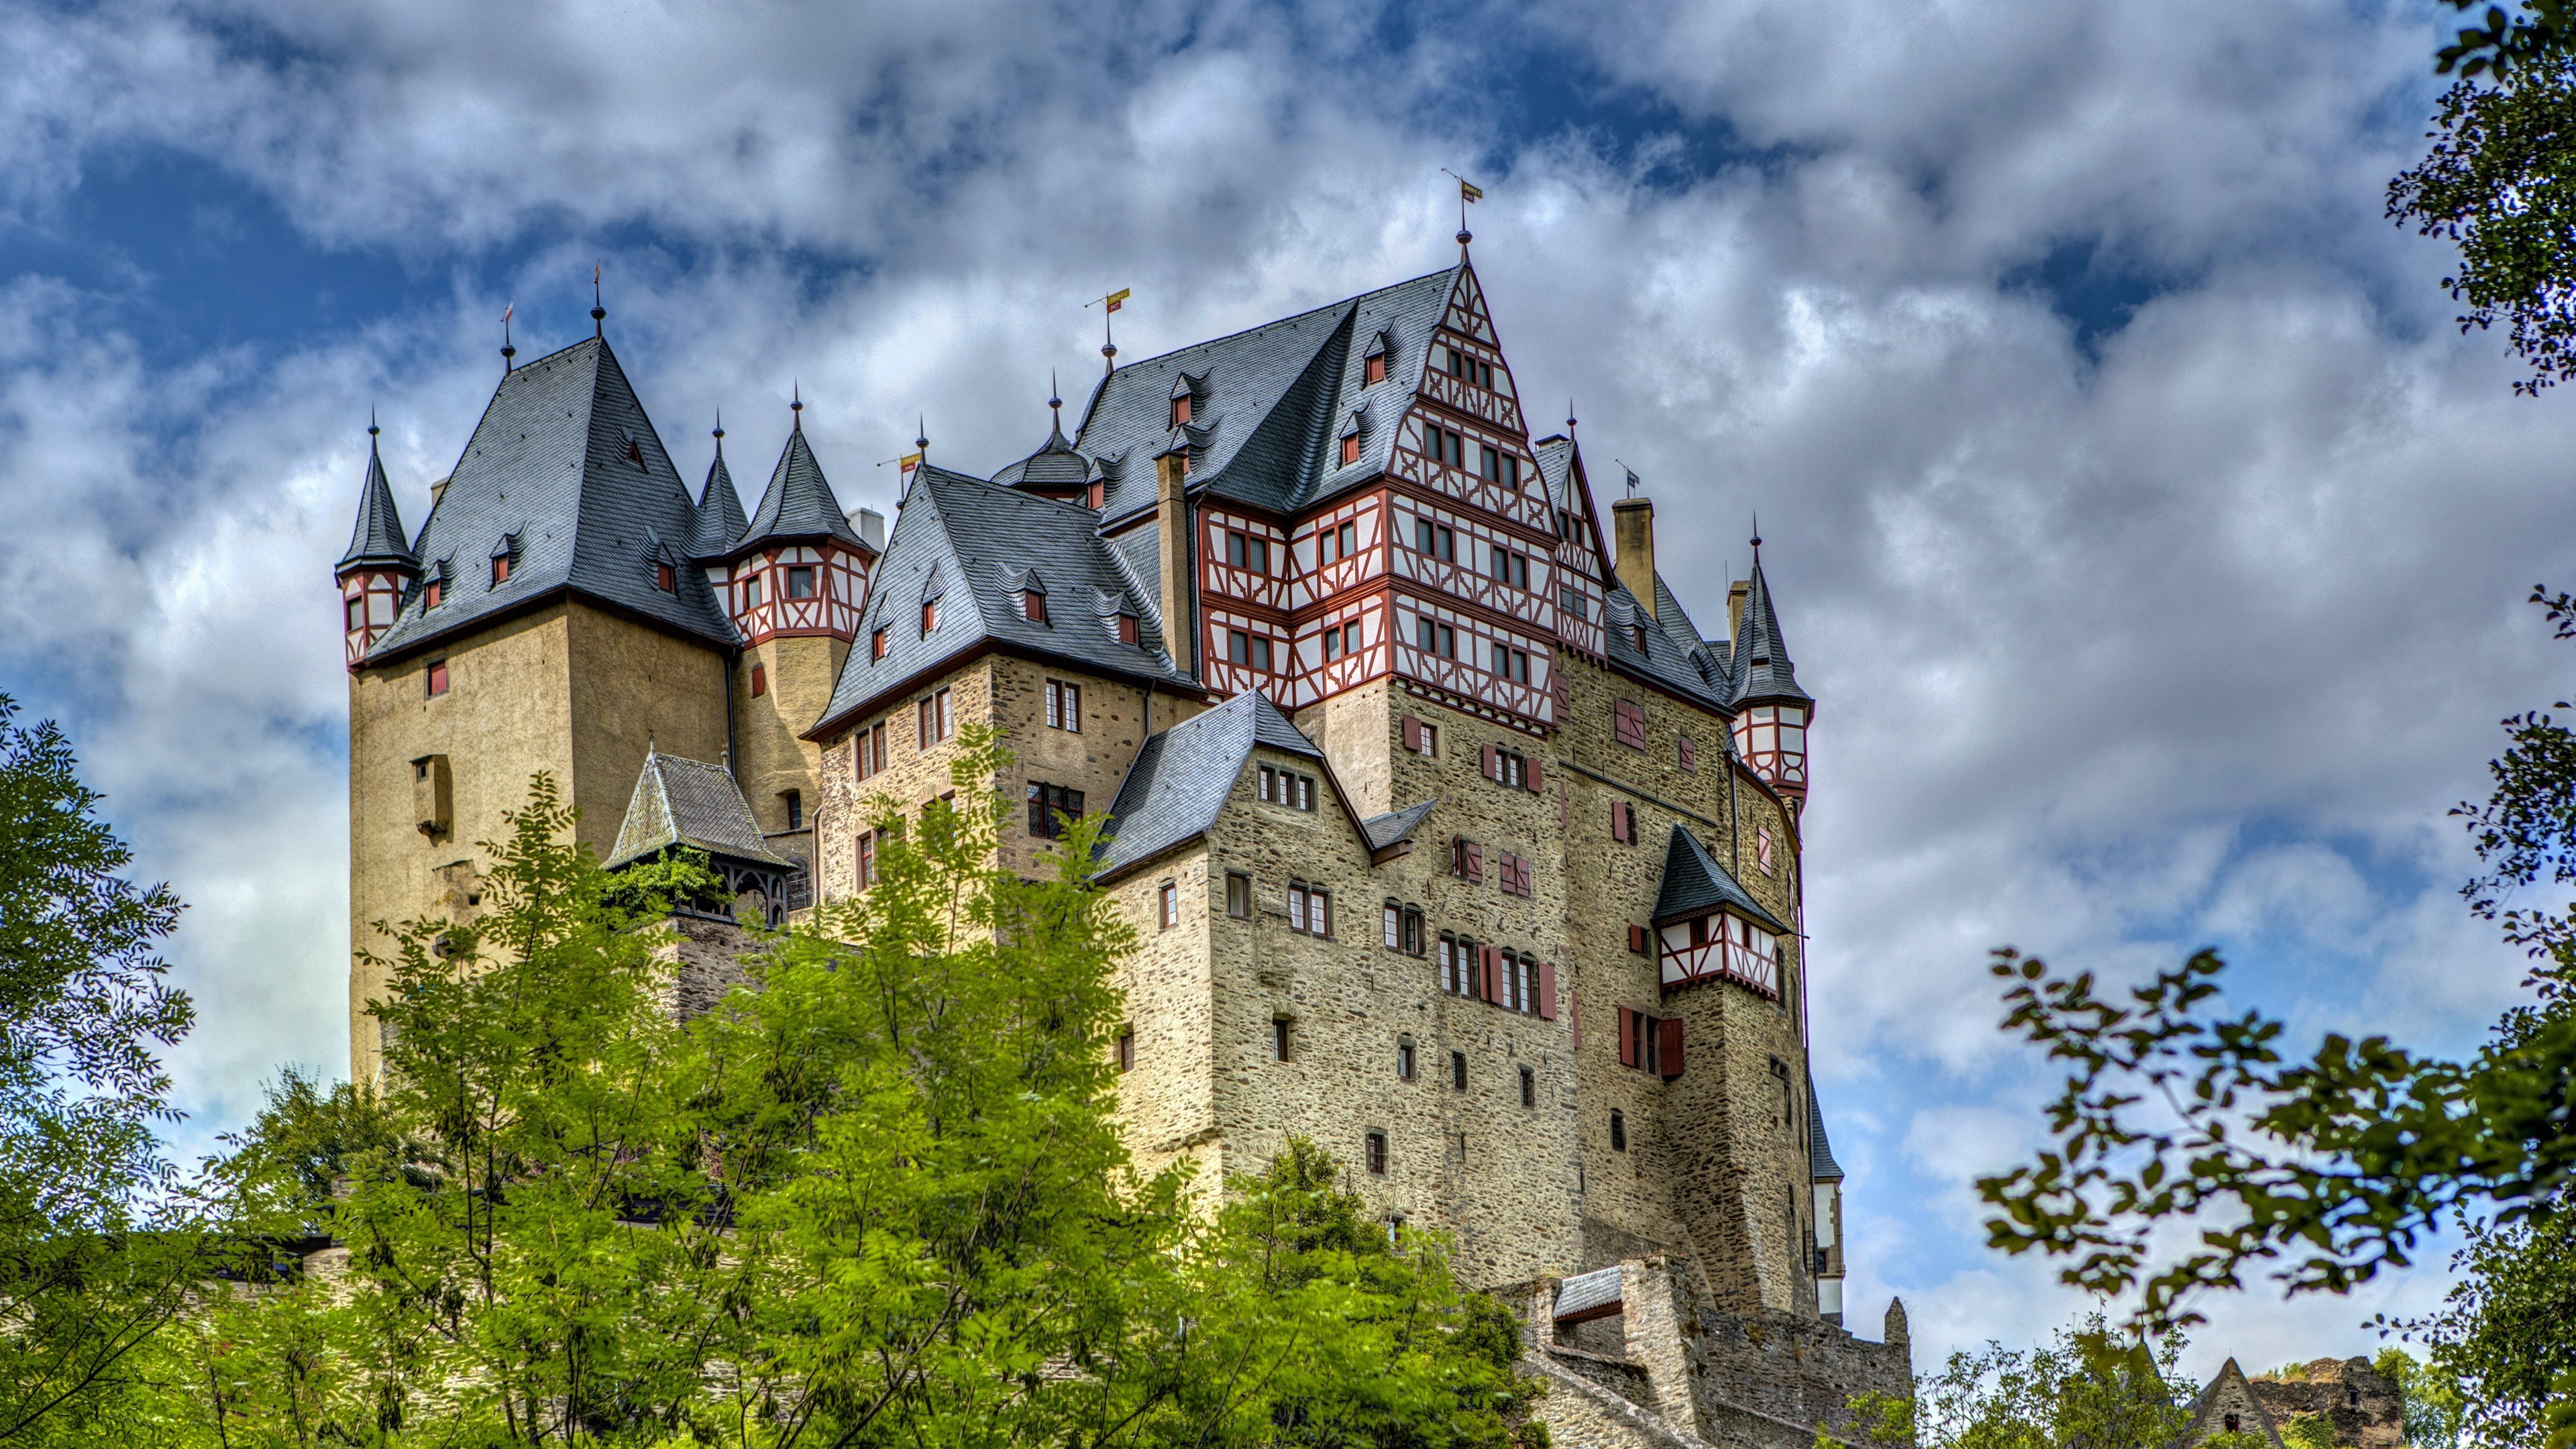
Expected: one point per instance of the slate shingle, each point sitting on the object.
(1183, 776)
(377, 540)
(1762, 671)
(689, 802)
(799, 502)
(720, 516)
(1694, 884)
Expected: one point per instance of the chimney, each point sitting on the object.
(1634, 518)
(1735, 595)
(872, 529)
(1179, 576)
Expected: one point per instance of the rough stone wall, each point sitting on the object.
(771, 757)
(2366, 1408)
(1167, 1104)
(913, 775)
(706, 960)
(505, 716)
(2228, 1396)
(1093, 759)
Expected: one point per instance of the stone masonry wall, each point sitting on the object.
(2366, 1409)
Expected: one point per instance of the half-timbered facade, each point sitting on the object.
(1453, 843)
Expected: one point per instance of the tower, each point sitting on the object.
(1772, 712)
(379, 567)
(793, 581)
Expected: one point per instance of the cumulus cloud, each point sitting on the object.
(2153, 544)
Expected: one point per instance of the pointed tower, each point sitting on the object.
(1056, 470)
(794, 579)
(720, 516)
(1771, 711)
(379, 567)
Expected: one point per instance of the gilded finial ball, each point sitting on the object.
(1465, 236)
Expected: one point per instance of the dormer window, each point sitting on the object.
(1375, 370)
(877, 644)
(1033, 605)
(1128, 632)
(1350, 450)
(635, 452)
(1181, 410)
(666, 578)
(1096, 497)
(929, 615)
(434, 594)
(500, 568)
(1637, 637)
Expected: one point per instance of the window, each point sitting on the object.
(1404, 1061)
(1435, 539)
(1351, 444)
(1033, 606)
(1529, 1087)
(500, 568)
(1244, 551)
(1346, 540)
(1048, 805)
(800, 581)
(1451, 447)
(437, 678)
(867, 864)
(1126, 1049)
(876, 645)
(1377, 1154)
(1637, 938)
(1286, 787)
(1167, 901)
(1279, 1038)
(1466, 859)
(1332, 645)
(1623, 822)
(1128, 632)
(751, 592)
(1515, 874)
(434, 595)
(1064, 706)
(1181, 410)
(793, 802)
(666, 578)
(1412, 931)
(1421, 736)
(356, 609)
(1618, 1130)
(1433, 637)
(929, 615)
(1238, 896)
(1310, 910)
(1458, 974)
(1489, 462)
(1570, 599)
(1374, 370)
(2232, 1422)
(1780, 1074)
(934, 723)
(759, 680)
(1650, 1044)
(870, 747)
(1688, 754)
(1393, 925)
(1628, 724)
(1762, 848)
(1458, 1071)
(1248, 649)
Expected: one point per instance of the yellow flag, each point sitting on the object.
(1469, 191)
(910, 461)
(1118, 298)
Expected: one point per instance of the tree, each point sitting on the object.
(92, 1261)
(2326, 1168)
(2502, 1332)
(878, 1194)
(2088, 1388)
(2433, 1400)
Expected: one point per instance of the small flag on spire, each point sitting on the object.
(1469, 190)
(908, 462)
(1118, 298)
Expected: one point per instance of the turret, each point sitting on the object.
(798, 567)
(1771, 712)
(377, 571)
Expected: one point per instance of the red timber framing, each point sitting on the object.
(797, 589)
(368, 602)
(1720, 947)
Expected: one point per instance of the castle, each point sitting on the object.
(1454, 842)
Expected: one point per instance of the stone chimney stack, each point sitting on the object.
(1179, 577)
(1735, 594)
(1634, 519)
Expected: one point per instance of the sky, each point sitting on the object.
(2153, 539)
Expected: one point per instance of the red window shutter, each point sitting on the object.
(1621, 827)
(1627, 1037)
(1475, 863)
(1670, 1048)
(1413, 733)
(1533, 781)
(1491, 959)
(1547, 990)
(1493, 763)
(1637, 939)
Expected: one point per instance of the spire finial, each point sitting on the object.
(796, 405)
(720, 432)
(921, 435)
(507, 351)
(372, 429)
(598, 313)
(1055, 398)
(1569, 417)
(1757, 535)
(1108, 342)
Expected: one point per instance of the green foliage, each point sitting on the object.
(2433, 1399)
(651, 889)
(2500, 1338)
(880, 1196)
(93, 1256)
(2086, 1389)
(2308, 1431)
(2501, 44)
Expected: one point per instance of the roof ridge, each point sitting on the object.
(1351, 300)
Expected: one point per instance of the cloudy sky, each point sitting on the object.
(2154, 542)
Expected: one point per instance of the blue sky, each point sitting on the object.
(2153, 540)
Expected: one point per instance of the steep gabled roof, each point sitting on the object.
(1695, 884)
(1760, 659)
(970, 543)
(799, 502)
(1665, 660)
(1385, 830)
(1821, 1166)
(688, 802)
(1183, 777)
(1267, 403)
(378, 540)
(720, 516)
(566, 468)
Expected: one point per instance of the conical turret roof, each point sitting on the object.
(1759, 659)
(1055, 465)
(378, 540)
(720, 516)
(799, 503)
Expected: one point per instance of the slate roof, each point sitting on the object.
(1821, 1166)
(1055, 464)
(1666, 660)
(970, 543)
(1761, 668)
(720, 515)
(377, 541)
(799, 502)
(1385, 830)
(688, 802)
(1268, 404)
(548, 474)
(1695, 884)
(1183, 776)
